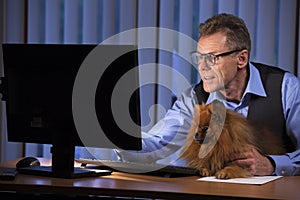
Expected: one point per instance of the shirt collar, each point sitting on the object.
(254, 86)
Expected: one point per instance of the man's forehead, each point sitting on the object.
(211, 43)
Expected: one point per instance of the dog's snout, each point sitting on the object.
(200, 136)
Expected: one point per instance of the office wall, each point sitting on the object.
(2, 127)
(9, 150)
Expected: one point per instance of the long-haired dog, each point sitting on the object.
(216, 133)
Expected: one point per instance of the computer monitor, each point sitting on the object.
(62, 94)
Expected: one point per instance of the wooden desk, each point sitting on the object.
(135, 185)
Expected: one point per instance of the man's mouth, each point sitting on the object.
(208, 77)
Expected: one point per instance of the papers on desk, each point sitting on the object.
(256, 180)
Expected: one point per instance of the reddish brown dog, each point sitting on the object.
(216, 133)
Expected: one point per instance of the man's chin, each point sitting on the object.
(212, 88)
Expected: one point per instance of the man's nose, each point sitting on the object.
(203, 66)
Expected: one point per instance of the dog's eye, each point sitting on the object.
(196, 135)
(204, 129)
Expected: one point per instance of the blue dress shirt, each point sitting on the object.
(164, 142)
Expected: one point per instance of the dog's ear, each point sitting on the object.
(200, 107)
(197, 108)
(209, 108)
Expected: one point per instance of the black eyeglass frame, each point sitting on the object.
(215, 56)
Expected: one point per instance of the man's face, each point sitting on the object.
(219, 75)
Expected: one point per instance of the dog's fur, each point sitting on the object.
(209, 152)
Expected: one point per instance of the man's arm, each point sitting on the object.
(289, 163)
(167, 137)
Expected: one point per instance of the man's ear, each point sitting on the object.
(243, 58)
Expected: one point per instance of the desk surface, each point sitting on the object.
(136, 185)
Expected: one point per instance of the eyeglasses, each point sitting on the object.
(210, 59)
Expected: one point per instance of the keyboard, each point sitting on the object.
(7, 173)
(141, 168)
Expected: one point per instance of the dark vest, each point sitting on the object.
(266, 110)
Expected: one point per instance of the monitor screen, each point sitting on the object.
(70, 95)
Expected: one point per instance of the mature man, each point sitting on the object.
(262, 93)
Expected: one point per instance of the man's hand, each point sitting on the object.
(252, 160)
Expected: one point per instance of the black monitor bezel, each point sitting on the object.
(57, 55)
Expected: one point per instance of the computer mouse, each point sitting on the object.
(28, 162)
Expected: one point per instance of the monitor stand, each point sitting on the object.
(63, 164)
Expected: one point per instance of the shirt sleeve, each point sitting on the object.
(289, 164)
